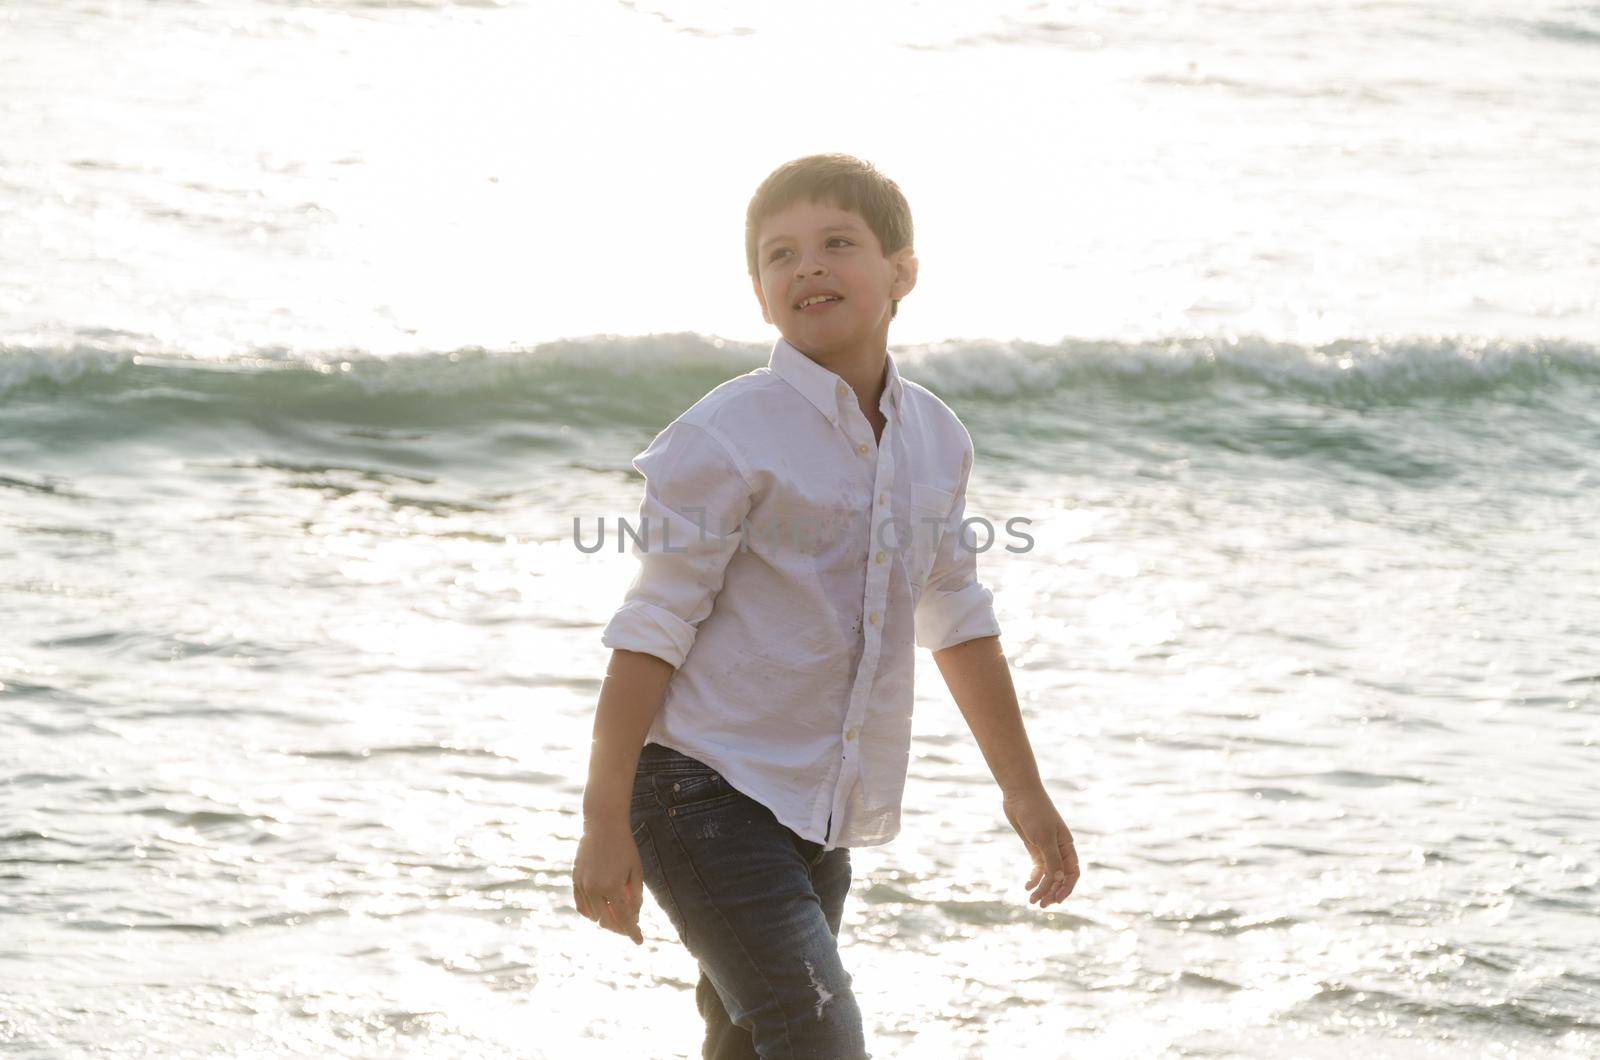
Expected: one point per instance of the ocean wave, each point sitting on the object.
(647, 380)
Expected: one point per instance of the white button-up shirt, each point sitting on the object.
(773, 579)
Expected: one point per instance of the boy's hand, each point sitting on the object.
(1045, 834)
(608, 880)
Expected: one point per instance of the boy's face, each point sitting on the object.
(816, 248)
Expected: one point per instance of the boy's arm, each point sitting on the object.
(955, 618)
(630, 696)
(607, 876)
(975, 671)
(696, 499)
(980, 682)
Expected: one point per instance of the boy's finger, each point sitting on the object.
(635, 907)
(623, 924)
(628, 923)
(1038, 866)
(1069, 868)
(1052, 874)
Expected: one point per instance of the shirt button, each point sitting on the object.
(873, 618)
(879, 557)
(674, 787)
(862, 448)
(849, 734)
(883, 498)
(843, 390)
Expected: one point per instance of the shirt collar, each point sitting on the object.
(819, 385)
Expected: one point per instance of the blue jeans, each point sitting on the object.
(757, 906)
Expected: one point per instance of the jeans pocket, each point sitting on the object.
(692, 793)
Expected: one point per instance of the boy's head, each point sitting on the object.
(829, 223)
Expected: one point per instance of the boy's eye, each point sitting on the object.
(784, 250)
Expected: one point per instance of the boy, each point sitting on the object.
(767, 672)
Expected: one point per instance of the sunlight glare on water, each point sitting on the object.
(433, 176)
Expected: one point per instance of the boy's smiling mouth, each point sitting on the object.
(812, 301)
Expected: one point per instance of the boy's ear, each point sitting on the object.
(755, 281)
(905, 273)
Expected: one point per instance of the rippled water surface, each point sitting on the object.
(298, 682)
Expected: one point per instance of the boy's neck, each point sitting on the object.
(864, 371)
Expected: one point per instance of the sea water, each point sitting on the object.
(320, 324)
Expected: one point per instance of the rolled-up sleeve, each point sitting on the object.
(696, 499)
(955, 606)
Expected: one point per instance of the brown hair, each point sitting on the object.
(842, 181)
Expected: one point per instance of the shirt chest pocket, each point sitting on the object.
(930, 507)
